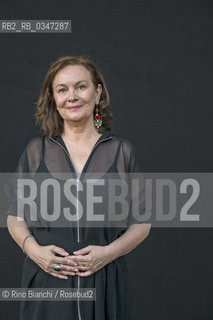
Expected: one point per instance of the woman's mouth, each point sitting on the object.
(73, 107)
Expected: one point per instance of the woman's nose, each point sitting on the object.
(72, 95)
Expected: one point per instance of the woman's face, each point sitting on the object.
(74, 93)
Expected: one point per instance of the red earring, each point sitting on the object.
(97, 122)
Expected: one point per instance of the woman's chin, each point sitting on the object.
(74, 119)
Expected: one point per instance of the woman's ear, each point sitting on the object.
(98, 90)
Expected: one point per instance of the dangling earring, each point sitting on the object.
(97, 122)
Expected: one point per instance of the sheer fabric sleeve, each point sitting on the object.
(27, 164)
(136, 183)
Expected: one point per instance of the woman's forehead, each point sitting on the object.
(73, 73)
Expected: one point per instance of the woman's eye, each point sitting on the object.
(62, 90)
(82, 86)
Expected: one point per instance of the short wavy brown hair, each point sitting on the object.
(46, 113)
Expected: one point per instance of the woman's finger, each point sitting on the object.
(59, 250)
(65, 273)
(85, 267)
(83, 251)
(66, 261)
(58, 275)
(68, 268)
(85, 274)
(83, 259)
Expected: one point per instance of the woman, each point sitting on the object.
(74, 112)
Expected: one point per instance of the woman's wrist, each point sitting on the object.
(31, 247)
(110, 252)
(25, 239)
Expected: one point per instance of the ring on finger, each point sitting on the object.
(57, 267)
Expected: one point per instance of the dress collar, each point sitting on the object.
(106, 134)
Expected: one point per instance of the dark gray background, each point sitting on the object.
(156, 57)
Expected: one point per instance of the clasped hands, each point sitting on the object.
(83, 262)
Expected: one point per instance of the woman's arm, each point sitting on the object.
(134, 235)
(18, 230)
(92, 258)
(44, 256)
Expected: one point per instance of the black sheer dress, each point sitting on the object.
(111, 154)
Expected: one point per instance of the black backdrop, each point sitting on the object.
(156, 57)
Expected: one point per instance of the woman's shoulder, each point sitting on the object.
(127, 153)
(34, 144)
(32, 152)
(126, 144)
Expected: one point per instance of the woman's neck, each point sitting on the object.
(79, 133)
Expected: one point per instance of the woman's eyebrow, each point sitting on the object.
(62, 84)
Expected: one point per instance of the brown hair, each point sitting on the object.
(46, 113)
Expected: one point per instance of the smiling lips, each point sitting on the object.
(74, 107)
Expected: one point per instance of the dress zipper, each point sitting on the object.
(78, 240)
(88, 157)
(78, 179)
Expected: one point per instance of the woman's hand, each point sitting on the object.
(91, 259)
(46, 258)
